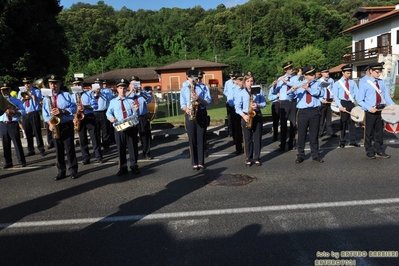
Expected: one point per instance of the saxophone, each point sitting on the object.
(251, 113)
(54, 121)
(194, 103)
(79, 114)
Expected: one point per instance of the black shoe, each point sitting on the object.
(100, 160)
(23, 164)
(43, 153)
(149, 157)
(333, 136)
(31, 153)
(318, 159)
(50, 146)
(201, 167)
(258, 163)
(341, 145)
(248, 164)
(86, 162)
(281, 148)
(122, 171)
(74, 175)
(370, 156)
(299, 160)
(135, 169)
(195, 168)
(354, 145)
(59, 177)
(382, 155)
(8, 166)
(238, 152)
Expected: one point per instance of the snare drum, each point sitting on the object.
(126, 123)
(390, 115)
(334, 107)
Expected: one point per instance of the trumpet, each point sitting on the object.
(27, 95)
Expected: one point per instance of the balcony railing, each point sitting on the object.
(367, 54)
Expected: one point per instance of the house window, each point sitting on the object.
(174, 83)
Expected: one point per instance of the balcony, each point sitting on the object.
(367, 54)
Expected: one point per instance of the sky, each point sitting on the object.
(157, 4)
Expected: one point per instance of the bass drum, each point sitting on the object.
(390, 115)
(152, 107)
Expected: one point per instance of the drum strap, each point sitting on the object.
(346, 90)
(377, 90)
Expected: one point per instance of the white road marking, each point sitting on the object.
(173, 215)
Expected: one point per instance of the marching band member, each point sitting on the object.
(60, 121)
(21, 126)
(119, 109)
(193, 101)
(86, 103)
(236, 118)
(9, 129)
(325, 109)
(228, 91)
(103, 96)
(308, 116)
(372, 97)
(248, 105)
(31, 120)
(287, 106)
(344, 91)
(141, 98)
(275, 108)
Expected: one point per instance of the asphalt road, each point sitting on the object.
(290, 214)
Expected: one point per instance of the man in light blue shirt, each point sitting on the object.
(287, 106)
(123, 109)
(372, 97)
(103, 97)
(58, 111)
(344, 91)
(9, 128)
(309, 95)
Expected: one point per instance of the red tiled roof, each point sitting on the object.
(186, 64)
(336, 68)
(387, 15)
(145, 73)
(368, 9)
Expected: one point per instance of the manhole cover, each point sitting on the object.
(230, 180)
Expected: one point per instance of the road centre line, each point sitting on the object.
(172, 215)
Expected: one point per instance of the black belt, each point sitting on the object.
(9, 122)
(102, 111)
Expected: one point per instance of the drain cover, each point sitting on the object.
(230, 180)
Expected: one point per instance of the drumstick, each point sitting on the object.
(356, 116)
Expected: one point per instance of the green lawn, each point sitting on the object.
(171, 113)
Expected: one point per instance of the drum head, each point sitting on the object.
(357, 114)
(334, 107)
(390, 114)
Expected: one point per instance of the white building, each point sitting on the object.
(375, 34)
